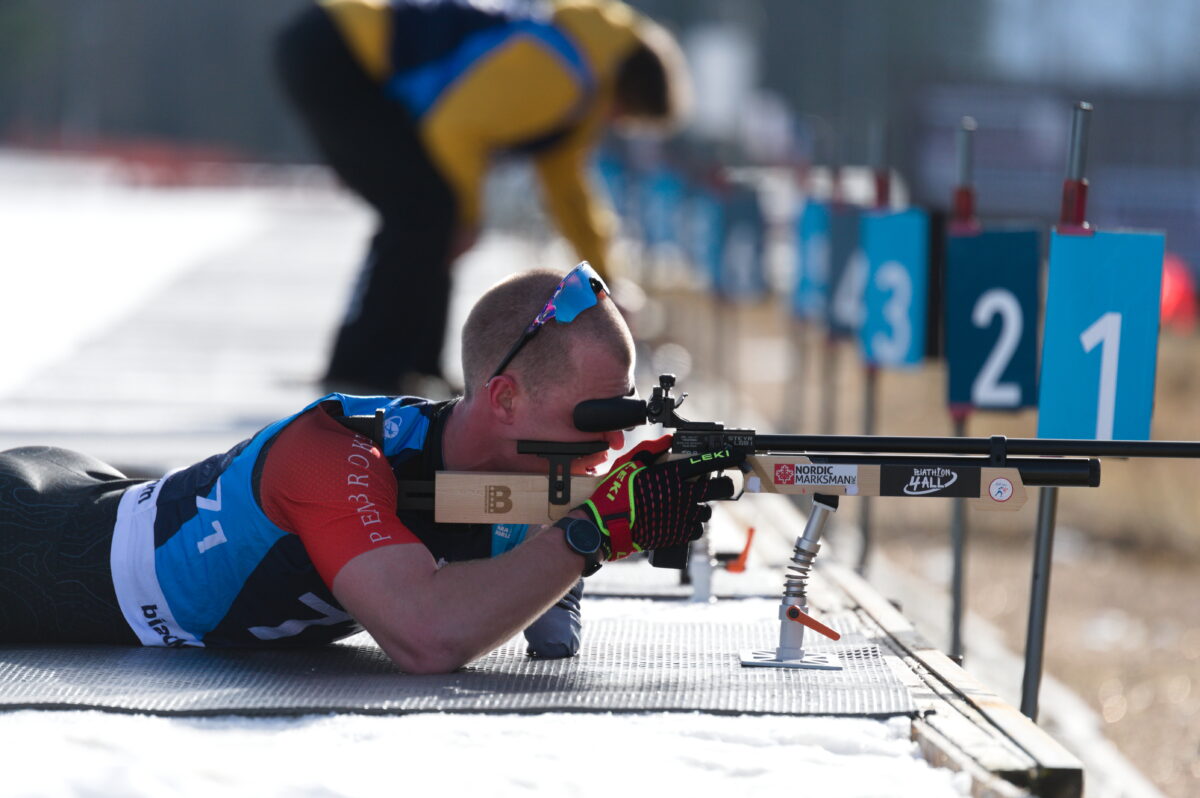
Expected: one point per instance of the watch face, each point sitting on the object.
(583, 536)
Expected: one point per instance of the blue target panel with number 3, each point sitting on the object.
(896, 287)
(992, 318)
(1100, 345)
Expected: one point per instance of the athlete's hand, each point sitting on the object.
(644, 504)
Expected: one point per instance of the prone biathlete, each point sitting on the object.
(294, 537)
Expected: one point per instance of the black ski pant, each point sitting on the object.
(395, 323)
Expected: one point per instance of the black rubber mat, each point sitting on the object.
(625, 666)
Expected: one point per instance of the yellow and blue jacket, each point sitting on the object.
(482, 79)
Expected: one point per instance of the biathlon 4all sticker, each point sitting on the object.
(823, 476)
(897, 480)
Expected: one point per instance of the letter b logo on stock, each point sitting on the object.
(497, 499)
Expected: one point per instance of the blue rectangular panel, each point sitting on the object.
(847, 270)
(1100, 342)
(663, 193)
(742, 269)
(896, 289)
(812, 261)
(992, 318)
(704, 233)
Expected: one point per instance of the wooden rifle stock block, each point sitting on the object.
(474, 497)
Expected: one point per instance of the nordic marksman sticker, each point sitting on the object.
(816, 475)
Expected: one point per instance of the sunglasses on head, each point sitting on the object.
(581, 289)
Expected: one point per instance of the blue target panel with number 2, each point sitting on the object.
(895, 293)
(991, 318)
(1101, 337)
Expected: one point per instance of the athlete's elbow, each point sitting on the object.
(427, 654)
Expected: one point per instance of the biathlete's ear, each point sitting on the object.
(501, 393)
(645, 452)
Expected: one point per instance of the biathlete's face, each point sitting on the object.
(551, 418)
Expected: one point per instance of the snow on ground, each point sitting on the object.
(55, 754)
(75, 257)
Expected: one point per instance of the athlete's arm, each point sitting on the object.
(337, 492)
(434, 620)
(582, 218)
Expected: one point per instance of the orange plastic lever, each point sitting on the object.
(739, 565)
(800, 616)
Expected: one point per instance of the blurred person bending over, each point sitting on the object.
(294, 537)
(409, 100)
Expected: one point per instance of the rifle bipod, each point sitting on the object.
(793, 609)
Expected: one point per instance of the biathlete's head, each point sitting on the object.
(652, 89)
(635, 58)
(537, 344)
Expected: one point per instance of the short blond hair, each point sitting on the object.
(501, 316)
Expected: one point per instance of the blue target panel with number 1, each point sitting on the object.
(896, 289)
(991, 318)
(1100, 342)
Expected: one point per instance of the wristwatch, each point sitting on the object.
(584, 538)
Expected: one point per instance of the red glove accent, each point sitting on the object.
(644, 504)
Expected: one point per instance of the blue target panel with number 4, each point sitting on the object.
(991, 318)
(1100, 343)
(847, 270)
(896, 288)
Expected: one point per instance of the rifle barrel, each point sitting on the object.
(1062, 447)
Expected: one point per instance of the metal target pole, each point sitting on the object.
(1072, 219)
(963, 221)
(826, 421)
(878, 160)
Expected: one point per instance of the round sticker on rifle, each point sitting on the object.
(1001, 489)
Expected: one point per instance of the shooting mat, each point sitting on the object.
(626, 665)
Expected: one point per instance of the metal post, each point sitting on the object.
(1073, 211)
(1080, 127)
(963, 219)
(870, 391)
(830, 393)
(794, 400)
(1072, 221)
(963, 222)
(958, 538)
(1035, 637)
(878, 160)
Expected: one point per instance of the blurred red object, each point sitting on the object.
(1179, 310)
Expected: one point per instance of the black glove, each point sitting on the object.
(642, 504)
